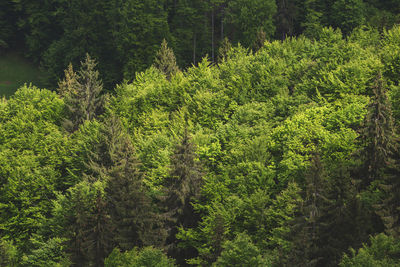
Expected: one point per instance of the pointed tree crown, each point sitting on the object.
(165, 60)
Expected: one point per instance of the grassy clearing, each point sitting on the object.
(14, 72)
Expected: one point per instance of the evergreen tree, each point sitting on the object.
(85, 101)
(389, 208)
(384, 164)
(129, 207)
(305, 235)
(224, 49)
(343, 222)
(83, 219)
(165, 60)
(182, 187)
(377, 134)
(69, 85)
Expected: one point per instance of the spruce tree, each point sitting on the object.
(70, 83)
(342, 218)
(181, 188)
(382, 159)
(83, 219)
(377, 135)
(114, 162)
(306, 228)
(129, 206)
(84, 100)
(165, 60)
(224, 49)
(389, 208)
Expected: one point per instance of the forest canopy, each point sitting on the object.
(274, 144)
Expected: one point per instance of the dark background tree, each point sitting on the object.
(181, 189)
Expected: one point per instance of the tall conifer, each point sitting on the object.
(182, 187)
(306, 229)
(377, 134)
(128, 205)
(84, 100)
(165, 60)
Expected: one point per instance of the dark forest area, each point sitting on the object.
(201, 133)
(124, 35)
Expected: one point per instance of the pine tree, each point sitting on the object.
(165, 60)
(182, 187)
(84, 101)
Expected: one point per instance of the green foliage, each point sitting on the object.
(249, 17)
(348, 14)
(80, 216)
(50, 253)
(256, 121)
(382, 251)
(83, 94)
(240, 252)
(147, 256)
(165, 60)
(138, 21)
(31, 152)
(8, 253)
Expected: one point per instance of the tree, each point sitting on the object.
(244, 18)
(348, 14)
(312, 23)
(32, 148)
(287, 18)
(81, 216)
(8, 24)
(128, 205)
(84, 100)
(85, 26)
(181, 188)
(344, 222)
(383, 251)
(40, 24)
(260, 40)
(69, 85)
(224, 49)
(240, 252)
(377, 134)
(139, 28)
(306, 233)
(165, 61)
(147, 256)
